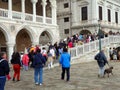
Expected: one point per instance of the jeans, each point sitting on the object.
(38, 75)
(25, 67)
(101, 71)
(2, 82)
(67, 70)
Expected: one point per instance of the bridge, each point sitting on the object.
(93, 47)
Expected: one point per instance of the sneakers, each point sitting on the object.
(40, 84)
(36, 83)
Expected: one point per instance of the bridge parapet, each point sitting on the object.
(86, 48)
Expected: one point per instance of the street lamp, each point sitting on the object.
(100, 35)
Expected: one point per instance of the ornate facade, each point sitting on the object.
(27, 22)
(86, 15)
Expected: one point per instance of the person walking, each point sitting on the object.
(101, 60)
(38, 64)
(16, 62)
(25, 61)
(65, 59)
(4, 69)
(49, 59)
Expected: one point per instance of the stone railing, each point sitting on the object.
(3, 13)
(84, 49)
(19, 16)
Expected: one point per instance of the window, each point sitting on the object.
(116, 17)
(109, 15)
(66, 5)
(66, 19)
(5, 0)
(66, 31)
(84, 13)
(100, 13)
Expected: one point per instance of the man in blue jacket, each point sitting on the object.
(65, 63)
(101, 60)
(4, 69)
(38, 64)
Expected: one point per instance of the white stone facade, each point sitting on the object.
(76, 24)
(30, 26)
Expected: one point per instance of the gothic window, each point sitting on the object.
(100, 13)
(116, 17)
(84, 13)
(109, 15)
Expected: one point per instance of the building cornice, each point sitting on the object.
(96, 25)
(61, 14)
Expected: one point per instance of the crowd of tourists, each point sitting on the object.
(36, 58)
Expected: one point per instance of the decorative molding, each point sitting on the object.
(109, 6)
(53, 3)
(83, 3)
(101, 2)
(34, 1)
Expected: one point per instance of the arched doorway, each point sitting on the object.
(45, 38)
(3, 47)
(85, 32)
(23, 40)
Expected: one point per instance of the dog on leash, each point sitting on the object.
(108, 71)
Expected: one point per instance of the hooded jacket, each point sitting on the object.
(65, 60)
(4, 68)
(39, 61)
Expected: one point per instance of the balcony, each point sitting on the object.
(4, 13)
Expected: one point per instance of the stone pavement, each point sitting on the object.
(83, 77)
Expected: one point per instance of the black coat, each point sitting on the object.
(4, 68)
(101, 59)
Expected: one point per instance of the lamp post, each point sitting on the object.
(99, 35)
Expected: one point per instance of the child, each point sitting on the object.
(25, 61)
(50, 59)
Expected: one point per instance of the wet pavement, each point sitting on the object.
(83, 77)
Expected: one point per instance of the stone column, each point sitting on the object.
(95, 11)
(23, 9)
(10, 9)
(54, 7)
(74, 9)
(10, 50)
(44, 3)
(34, 9)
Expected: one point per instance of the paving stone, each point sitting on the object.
(83, 77)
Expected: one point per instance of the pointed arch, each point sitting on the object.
(29, 30)
(4, 29)
(48, 36)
